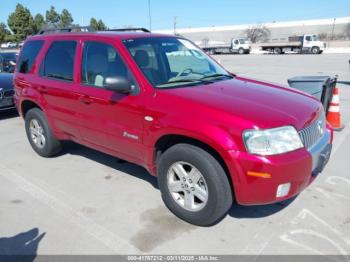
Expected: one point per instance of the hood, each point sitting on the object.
(263, 105)
(6, 81)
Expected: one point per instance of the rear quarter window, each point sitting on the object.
(28, 55)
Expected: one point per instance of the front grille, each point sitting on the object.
(311, 134)
(8, 93)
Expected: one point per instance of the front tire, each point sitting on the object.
(315, 50)
(193, 184)
(241, 51)
(40, 135)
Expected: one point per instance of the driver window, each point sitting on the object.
(308, 38)
(236, 42)
(101, 61)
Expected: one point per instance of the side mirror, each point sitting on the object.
(118, 84)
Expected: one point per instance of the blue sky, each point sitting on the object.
(190, 13)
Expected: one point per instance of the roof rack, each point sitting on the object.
(66, 30)
(132, 29)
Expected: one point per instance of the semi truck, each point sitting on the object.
(235, 46)
(297, 44)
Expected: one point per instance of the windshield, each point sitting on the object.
(315, 38)
(169, 62)
(243, 41)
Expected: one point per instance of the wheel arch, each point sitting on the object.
(166, 141)
(28, 104)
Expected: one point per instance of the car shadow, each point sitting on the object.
(8, 114)
(236, 211)
(21, 247)
(110, 161)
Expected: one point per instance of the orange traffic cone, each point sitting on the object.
(333, 114)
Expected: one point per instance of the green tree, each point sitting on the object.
(39, 23)
(52, 17)
(66, 18)
(10, 38)
(97, 25)
(21, 23)
(101, 25)
(94, 23)
(4, 32)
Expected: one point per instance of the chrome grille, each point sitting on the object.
(311, 134)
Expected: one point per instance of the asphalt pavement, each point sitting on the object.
(86, 202)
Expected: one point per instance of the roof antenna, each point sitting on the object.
(149, 15)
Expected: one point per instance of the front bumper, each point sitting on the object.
(299, 168)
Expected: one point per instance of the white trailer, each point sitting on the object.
(297, 44)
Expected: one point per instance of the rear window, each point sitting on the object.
(59, 60)
(28, 55)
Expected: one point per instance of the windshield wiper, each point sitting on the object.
(191, 81)
(215, 75)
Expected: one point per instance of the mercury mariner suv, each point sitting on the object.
(210, 137)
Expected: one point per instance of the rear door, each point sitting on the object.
(109, 120)
(56, 84)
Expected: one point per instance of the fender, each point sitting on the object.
(215, 137)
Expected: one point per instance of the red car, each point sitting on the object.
(210, 137)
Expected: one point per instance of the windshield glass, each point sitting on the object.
(315, 38)
(169, 62)
(243, 41)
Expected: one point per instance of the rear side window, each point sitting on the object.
(28, 55)
(59, 60)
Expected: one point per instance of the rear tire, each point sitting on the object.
(40, 135)
(277, 51)
(214, 193)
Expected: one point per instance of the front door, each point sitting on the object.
(109, 120)
(235, 45)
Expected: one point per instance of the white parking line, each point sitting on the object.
(110, 240)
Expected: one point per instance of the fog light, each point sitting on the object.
(283, 190)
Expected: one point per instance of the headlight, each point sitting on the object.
(272, 141)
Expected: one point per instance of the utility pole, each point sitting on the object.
(333, 28)
(175, 23)
(149, 15)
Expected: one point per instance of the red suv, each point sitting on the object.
(210, 137)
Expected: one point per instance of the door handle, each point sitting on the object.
(85, 100)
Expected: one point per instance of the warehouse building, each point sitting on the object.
(333, 28)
